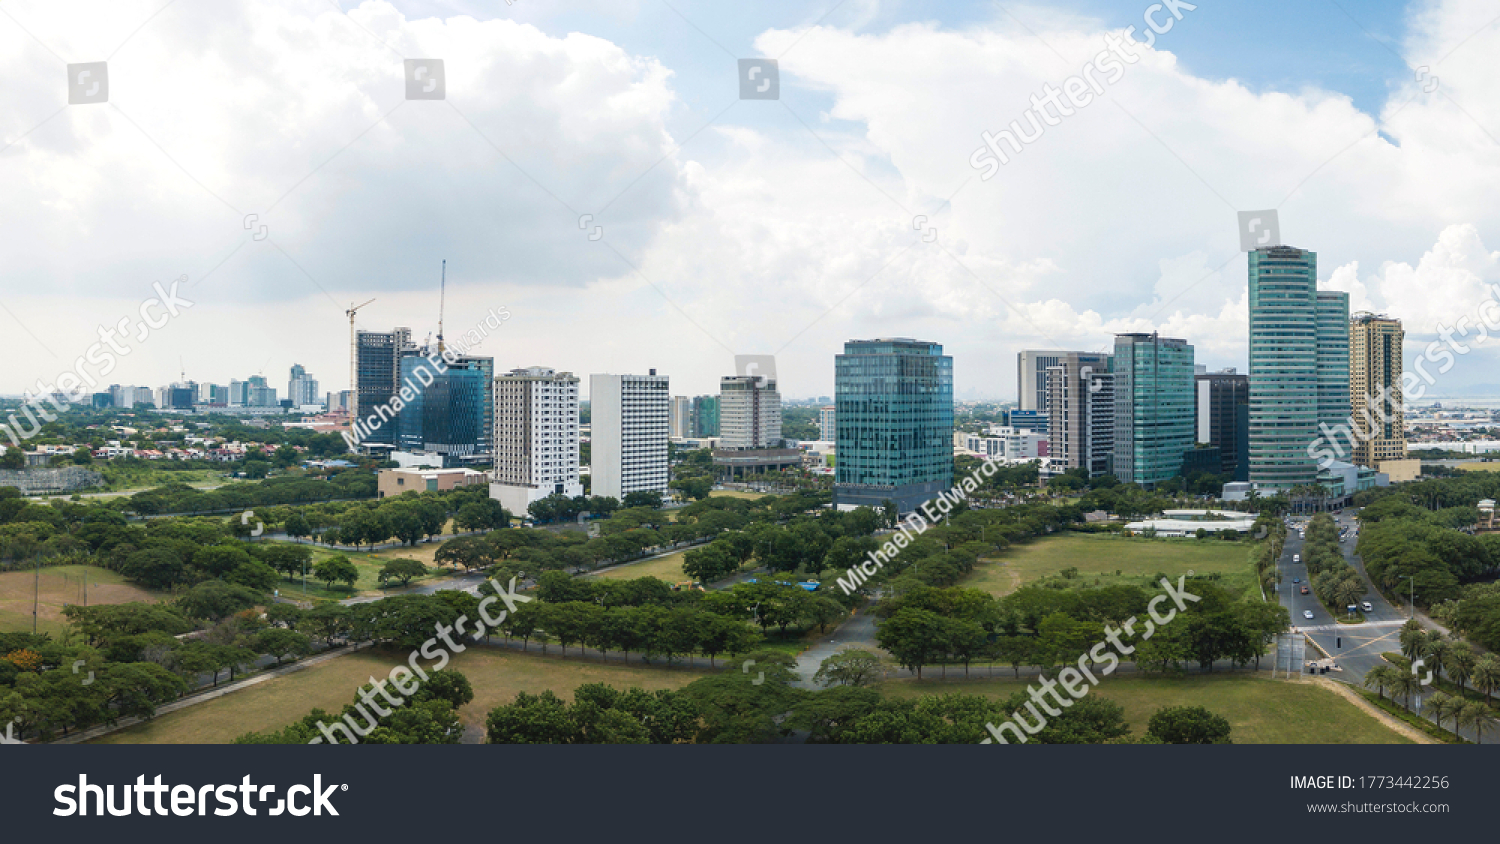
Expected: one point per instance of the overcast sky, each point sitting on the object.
(726, 226)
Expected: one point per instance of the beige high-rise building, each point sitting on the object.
(1375, 389)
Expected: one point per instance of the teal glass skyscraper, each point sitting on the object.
(1154, 410)
(1332, 315)
(1285, 365)
(893, 401)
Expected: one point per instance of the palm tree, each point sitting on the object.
(1441, 705)
(1405, 684)
(1486, 674)
(1461, 661)
(1413, 637)
(1348, 591)
(1435, 652)
(1382, 677)
(1472, 713)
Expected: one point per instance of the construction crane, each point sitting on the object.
(353, 356)
(442, 294)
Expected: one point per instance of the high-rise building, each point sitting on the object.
(536, 437)
(447, 410)
(377, 373)
(749, 412)
(1284, 376)
(302, 388)
(1068, 404)
(894, 400)
(828, 423)
(1031, 420)
(682, 415)
(1223, 420)
(1153, 407)
(1332, 313)
(628, 435)
(1099, 444)
(705, 416)
(1375, 389)
(1031, 373)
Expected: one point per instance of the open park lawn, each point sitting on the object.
(1259, 711)
(497, 674)
(369, 566)
(60, 586)
(668, 568)
(1106, 560)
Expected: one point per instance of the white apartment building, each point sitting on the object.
(828, 424)
(682, 416)
(536, 437)
(749, 412)
(630, 427)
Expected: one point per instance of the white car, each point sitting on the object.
(1296, 558)
(1307, 614)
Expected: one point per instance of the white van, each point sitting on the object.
(1368, 607)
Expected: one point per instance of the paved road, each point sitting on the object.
(1356, 648)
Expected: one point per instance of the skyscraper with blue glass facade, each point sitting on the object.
(1154, 407)
(893, 401)
(451, 410)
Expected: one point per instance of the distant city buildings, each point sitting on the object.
(894, 400)
(1153, 383)
(630, 419)
(302, 388)
(536, 437)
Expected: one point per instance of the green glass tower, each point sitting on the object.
(1285, 366)
(894, 422)
(1154, 407)
(1333, 358)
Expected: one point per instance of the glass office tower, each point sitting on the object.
(453, 415)
(1284, 370)
(894, 409)
(1154, 407)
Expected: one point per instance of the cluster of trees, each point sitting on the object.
(1045, 628)
(181, 498)
(759, 707)
(1446, 658)
(1400, 539)
(1336, 583)
(42, 694)
(428, 715)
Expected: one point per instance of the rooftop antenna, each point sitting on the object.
(353, 354)
(442, 294)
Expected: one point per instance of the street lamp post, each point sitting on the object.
(1412, 612)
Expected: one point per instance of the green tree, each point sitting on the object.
(279, 642)
(336, 569)
(1188, 725)
(850, 667)
(402, 570)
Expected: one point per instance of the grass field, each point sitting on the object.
(737, 493)
(60, 586)
(369, 566)
(1105, 559)
(1479, 466)
(497, 675)
(668, 568)
(1259, 711)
